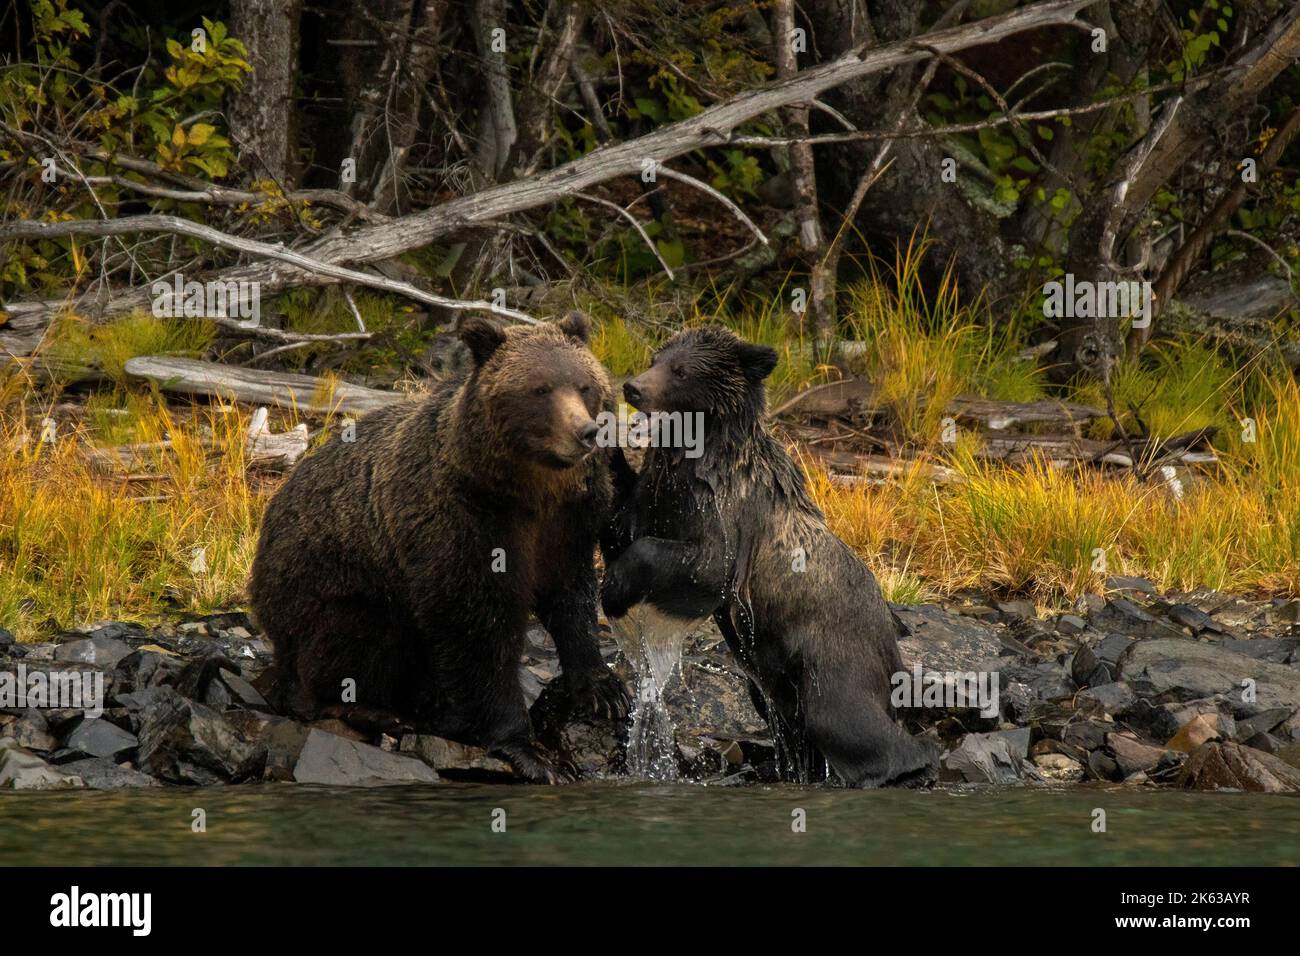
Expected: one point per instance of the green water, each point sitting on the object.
(636, 823)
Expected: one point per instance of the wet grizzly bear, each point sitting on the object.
(409, 558)
(730, 530)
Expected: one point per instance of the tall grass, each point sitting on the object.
(1040, 530)
(924, 349)
(75, 342)
(78, 545)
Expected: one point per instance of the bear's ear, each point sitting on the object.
(482, 337)
(576, 325)
(757, 361)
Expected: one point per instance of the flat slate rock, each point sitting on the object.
(103, 651)
(1186, 670)
(96, 737)
(103, 774)
(941, 640)
(330, 759)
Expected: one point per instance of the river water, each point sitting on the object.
(642, 823)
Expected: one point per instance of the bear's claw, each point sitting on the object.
(600, 692)
(530, 763)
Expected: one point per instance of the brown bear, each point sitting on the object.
(407, 558)
(727, 528)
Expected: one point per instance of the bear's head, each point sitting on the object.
(538, 387)
(705, 369)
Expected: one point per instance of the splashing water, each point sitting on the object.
(652, 641)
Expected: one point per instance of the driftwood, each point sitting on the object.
(257, 387)
(277, 452)
(850, 468)
(1000, 416)
(834, 421)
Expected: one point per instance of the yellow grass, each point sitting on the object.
(78, 546)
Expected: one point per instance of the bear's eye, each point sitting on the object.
(542, 390)
(679, 371)
(584, 389)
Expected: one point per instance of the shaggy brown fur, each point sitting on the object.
(409, 559)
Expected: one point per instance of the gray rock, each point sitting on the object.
(1017, 610)
(1114, 698)
(712, 699)
(1183, 669)
(103, 774)
(242, 692)
(940, 640)
(32, 732)
(282, 738)
(1273, 650)
(1071, 624)
(336, 761)
(1087, 734)
(96, 737)
(984, 758)
(1262, 723)
(1133, 756)
(22, 770)
(1087, 670)
(1285, 611)
(1109, 648)
(142, 669)
(186, 742)
(1122, 616)
(1130, 584)
(1102, 766)
(103, 651)
(1017, 740)
(1193, 618)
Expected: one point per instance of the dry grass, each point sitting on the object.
(1040, 530)
(78, 546)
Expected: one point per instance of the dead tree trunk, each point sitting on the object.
(819, 314)
(261, 112)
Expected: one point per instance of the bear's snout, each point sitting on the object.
(587, 435)
(632, 393)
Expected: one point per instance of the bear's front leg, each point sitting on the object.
(569, 616)
(477, 693)
(679, 578)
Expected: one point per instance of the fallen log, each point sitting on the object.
(1000, 416)
(849, 468)
(257, 386)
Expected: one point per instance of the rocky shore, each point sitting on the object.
(1198, 690)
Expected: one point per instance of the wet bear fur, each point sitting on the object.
(724, 534)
